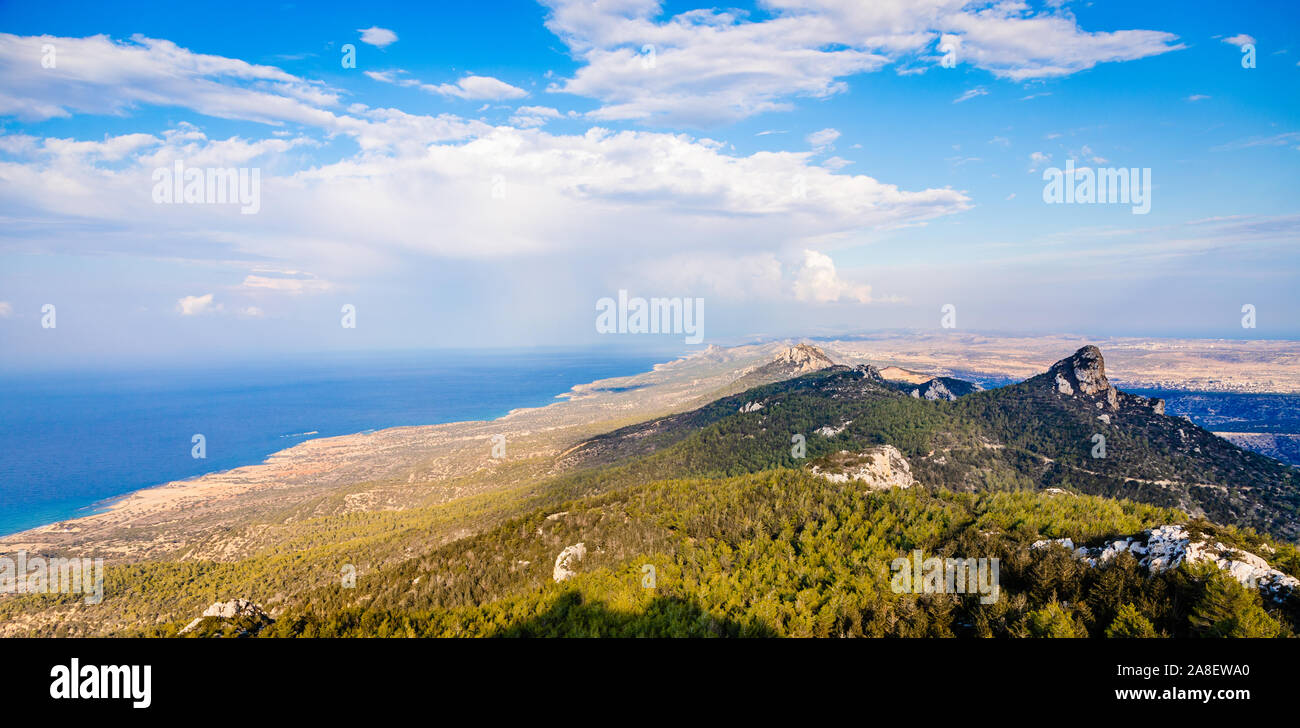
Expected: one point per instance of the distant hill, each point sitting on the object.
(1040, 433)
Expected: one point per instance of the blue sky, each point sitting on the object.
(487, 171)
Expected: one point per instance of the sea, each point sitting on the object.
(72, 442)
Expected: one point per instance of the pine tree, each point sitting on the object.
(1054, 621)
(1227, 609)
(1129, 622)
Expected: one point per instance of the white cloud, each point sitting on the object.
(836, 163)
(1014, 42)
(710, 66)
(195, 305)
(251, 312)
(471, 87)
(1239, 40)
(533, 116)
(818, 282)
(564, 197)
(970, 94)
(481, 87)
(419, 186)
(377, 37)
(1197, 97)
(6, 309)
(1038, 159)
(100, 76)
(291, 282)
(822, 139)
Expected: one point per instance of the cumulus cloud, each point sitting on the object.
(818, 282)
(1239, 40)
(195, 305)
(505, 192)
(443, 187)
(377, 37)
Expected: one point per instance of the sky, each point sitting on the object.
(483, 174)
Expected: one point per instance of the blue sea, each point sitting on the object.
(70, 442)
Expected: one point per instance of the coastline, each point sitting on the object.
(344, 459)
(84, 511)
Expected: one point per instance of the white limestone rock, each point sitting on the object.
(569, 555)
(879, 467)
(1167, 547)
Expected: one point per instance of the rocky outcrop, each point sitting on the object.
(566, 558)
(1166, 547)
(1137, 403)
(801, 359)
(793, 362)
(243, 611)
(933, 390)
(751, 407)
(829, 431)
(944, 388)
(879, 468)
(1082, 375)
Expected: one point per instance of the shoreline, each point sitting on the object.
(109, 504)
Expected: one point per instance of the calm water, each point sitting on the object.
(68, 441)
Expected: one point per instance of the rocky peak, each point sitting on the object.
(1083, 373)
(803, 358)
(868, 371)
